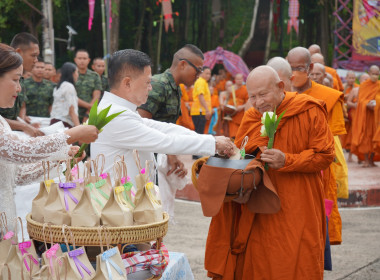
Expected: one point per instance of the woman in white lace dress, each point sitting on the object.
(20, 160)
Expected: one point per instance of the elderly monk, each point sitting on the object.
(315, 49)
(289, 244)
(283, 69)
(239, 101)
(337, 83)
(364, 125)
(352, 103)
(328, 81)
(300, 61)
(339, 165)
(348, 86)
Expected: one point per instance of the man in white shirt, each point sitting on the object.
(129, 80)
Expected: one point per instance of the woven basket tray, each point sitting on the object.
(88, 236)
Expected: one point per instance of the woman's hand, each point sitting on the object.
(73, 151)
(82, 133)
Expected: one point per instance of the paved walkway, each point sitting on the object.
(358, 257)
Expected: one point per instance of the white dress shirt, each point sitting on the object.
(129, 131)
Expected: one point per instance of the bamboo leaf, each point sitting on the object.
(93, 113)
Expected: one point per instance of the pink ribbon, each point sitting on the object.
(52, 254)
(142, 171)
(66, 190)
(23, 246)
(9, 235)
(104, 175)
(74, 255)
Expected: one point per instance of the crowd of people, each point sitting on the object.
(189, 110)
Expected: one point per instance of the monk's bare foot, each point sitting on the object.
(373, 164)
(365, 165)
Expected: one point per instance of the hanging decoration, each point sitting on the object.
(294, 8)
(167, 13)
(91, 7)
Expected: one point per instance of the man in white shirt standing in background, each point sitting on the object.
(129, 80)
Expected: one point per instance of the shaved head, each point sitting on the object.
(299, 60)
(327, 82)
(301, 53)
(265, 89)
(374, 73)
(314, 49)
(239, 79)
(350, 78)
(331, 79)
(318, 73)
(364, 77)
(317, 58)
(283, 69)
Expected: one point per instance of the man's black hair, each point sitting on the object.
(126, 62)
(195, 50)
(23, 39)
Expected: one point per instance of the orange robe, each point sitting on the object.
(185, 119)
(346, 139)
(376, 138)
(364, 125)
(289, 244)
(241, 98)
(221, 85)
(335, 75)
(334, 104)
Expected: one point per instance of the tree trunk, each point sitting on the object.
(140, 27)
(324, 31)
(115, 28)
(247, 42)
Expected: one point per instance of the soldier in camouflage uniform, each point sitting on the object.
(39, 92)
(27, 46)
(88, 85)
(164, 100)
(99, 65)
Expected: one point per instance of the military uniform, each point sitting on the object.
(12, 113)
(164, 100)
(85, 86)
(105, 85)
(40, 97)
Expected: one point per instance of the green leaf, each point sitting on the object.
(109, 118)
(93, 113)
(269, 126)
(102, 116)
(279, 118)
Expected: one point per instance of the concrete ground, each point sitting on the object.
(358, 257)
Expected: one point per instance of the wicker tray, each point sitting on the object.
(88, 236)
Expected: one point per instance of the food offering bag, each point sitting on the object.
(148, 208)
(117, 211)
(8, 238)
(70, 191)
(39, 201)
(98, 189)
(123, 185)
(78, 264)
(51, 254)
(54, 209)
(109, 265)
(84, 213)
(22, 257)
(101, 179)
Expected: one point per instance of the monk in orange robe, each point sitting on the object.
(338, 85)
(337, 82)
(364, 125)
(289, 244)
(300, 61)
(283, 69)
(352, 103)
(241, 98)
(185, 119)
(221, 81)
(348, 86)
(214, 102)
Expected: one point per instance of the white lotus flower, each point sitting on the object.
(264, 116)
(263, 131)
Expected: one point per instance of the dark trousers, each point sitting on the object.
(199, 123)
